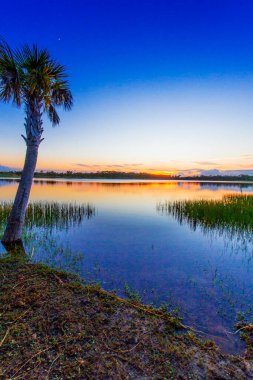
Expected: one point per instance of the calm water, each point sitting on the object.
(207, 277)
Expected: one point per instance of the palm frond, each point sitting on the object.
(10, 75)
(53, 115)
(30, 75)
(61, 95)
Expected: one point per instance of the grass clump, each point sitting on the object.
(131, 294)
(60, 216)
(233, 212)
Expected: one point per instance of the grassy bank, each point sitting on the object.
(53, 327)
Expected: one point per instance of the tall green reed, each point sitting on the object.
(51, 215)
(232, 213)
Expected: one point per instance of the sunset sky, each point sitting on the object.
(158, 85)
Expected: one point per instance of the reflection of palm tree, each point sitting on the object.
(29, 77)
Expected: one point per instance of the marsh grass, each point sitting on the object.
(43, 221)
(52, 215)
(132, 294)
(233, 213)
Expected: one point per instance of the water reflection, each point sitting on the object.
(6, 182)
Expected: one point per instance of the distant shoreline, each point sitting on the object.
(125, 181)
(123, 176)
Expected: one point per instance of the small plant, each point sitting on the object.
(241, 317)
(131, 294)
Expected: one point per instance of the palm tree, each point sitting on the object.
(30, 78)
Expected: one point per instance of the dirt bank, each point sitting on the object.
(53, 327)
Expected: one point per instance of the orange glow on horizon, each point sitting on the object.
(162, 169)
(161, 172)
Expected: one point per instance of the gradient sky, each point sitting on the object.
(159, 85)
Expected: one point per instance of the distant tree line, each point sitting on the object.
(125, 175)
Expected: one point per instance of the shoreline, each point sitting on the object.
(52, 324)
(129, 180)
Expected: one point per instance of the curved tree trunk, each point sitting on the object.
(16, 219)
(33, 124)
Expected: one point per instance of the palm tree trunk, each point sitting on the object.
(34, 130)
(16, 219)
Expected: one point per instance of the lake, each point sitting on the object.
(127, 241)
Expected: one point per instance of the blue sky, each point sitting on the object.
(158, 85)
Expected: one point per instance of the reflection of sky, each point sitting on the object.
(127, 241)
(6, 182)
(124, 193)
(158, 85)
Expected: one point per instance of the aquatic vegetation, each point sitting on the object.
(232, 212)
(43, 220)
(131, 294)
(231, 218)
(51, 215)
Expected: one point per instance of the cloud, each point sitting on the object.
(132, 164)
(114, 166)
(206, 163)
(247, 156)
(102, 167)
(214, 172)
(238, 172)
(246, 166)
(83, 165)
